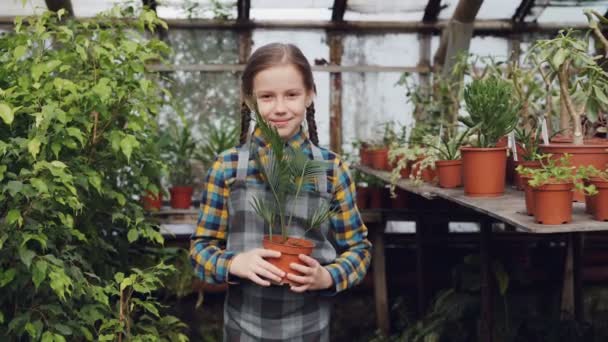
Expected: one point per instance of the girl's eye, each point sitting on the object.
(265, 96)
(292, 95)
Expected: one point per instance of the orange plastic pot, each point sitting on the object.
(601, 199)
(519, 184)
(590, 201)
(529, 196)
(450, 173)
(290, 250)
(365, 156)
(404, 172)
(379, 158)
(553, 203)
(181, 197)
(362, 197)
(152, 201)
(581, 155)
(484, 171)
(428, 174)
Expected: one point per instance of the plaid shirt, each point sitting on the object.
(210, 259)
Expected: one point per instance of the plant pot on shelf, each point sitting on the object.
(404, 172)
(181, 197)
(553, 203)
(590, 200)
(152, 201)
(379, 158)
(529, 196)
(362, 197)
(600, 200)
(428, 174)
(581, 155)
(290, 250)
(484, 171)
(365, 156)
(517, 179)
(450, 173)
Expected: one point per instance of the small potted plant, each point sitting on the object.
(528, 141)
(596, 201)
(288, 174)
(552, 187)
(493, 113)
(178, 148)
(449, 163)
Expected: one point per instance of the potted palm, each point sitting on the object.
(583, 92)
(493, 113)
(449, 163)
(288, 174)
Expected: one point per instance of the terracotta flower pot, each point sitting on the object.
(152, 201)
(428, 174)
(362, 197)
(590, 201)
(450, 173)
(529, 196)
(365, 156)
(601, 199)
(553, 203)
(562, 139)
(404, 172)
(375, 198)
(290, 250)
(181, 197)
(379, 158)
(484, 171)
(519, 184)
(582, 155)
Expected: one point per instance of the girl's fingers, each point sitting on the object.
(271, 268)
(301, 268)
(299, 279)
(300, 289)
(312, 262)
(254, 277)
(267, 253)
(261, 271)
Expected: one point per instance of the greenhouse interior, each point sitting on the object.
(263, 170)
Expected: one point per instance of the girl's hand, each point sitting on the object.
(315, 276)
(251, 265)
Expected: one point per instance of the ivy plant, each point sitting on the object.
(77, 127)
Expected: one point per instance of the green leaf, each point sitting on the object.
(127, 144)
(599, 93)
(1, 317)
(2, 171)
(14, 215)
(103, 89)
(559, 58)
(64, 329)
(76, 133)
(26, 256)
(6, 113)
(39, 272)
(39, 185)
(33, 146)
(133, 235)
(19, 52)
(95, 181)
(87, 333)
(118, 277)
(7, 276)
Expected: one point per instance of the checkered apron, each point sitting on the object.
(257, 313)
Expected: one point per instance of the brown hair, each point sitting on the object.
(266, 57)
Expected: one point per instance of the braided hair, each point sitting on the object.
(245, 121)
(312, 125)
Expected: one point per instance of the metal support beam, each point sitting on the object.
(336, 48)
(243, 8)
(56, 5)
(522, 11)
(431, 12)
(337, 13)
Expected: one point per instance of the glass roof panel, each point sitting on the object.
(497, 9)
(15, 7)
(312, 14)
(567, 14)
(90, 8)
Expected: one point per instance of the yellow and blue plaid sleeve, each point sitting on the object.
(207, 249)
(350, 233)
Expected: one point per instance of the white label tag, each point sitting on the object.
(544, 131)
(512, 145)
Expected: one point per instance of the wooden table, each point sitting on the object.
(508, 209)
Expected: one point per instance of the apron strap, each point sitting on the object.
(243, 162)
(321, 180)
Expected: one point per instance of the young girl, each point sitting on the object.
(226, 246)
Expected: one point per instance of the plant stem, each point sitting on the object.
(296, 196)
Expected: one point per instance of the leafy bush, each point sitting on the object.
(77, 133)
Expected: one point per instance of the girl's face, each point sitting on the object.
(282, 98)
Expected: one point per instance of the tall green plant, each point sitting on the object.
(288, 173)
(492, 110)
(77, 127)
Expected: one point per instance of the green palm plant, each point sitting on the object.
(493, 110)
(446, 147)
(288, 173)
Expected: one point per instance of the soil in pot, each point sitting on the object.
(290, 250)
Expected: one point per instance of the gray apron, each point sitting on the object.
(256, 313)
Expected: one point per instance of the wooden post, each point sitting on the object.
(379, 269)
(487, 318)
(421, 275)
(336, 48)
